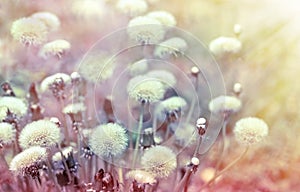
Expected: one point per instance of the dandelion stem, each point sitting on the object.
(66, 131)
(225, 169)
(65, 163)
(137, 142)
(224, 146)
(199, 141)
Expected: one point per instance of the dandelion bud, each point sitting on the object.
(250, 130)
(237, 88)
(237, 29)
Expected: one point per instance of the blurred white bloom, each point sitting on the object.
(224, 104)
(7, 133)
(55, 48)
(185, 134)
(74, 108)
(88, 9)
(138, 67)
(97, 67)
(26, 159)
(141, 176)
(15, 105)
(166, 77)
(29, 31)
(164, 17)
(108, 140)
(51, 79)
(43, 133)
(145, 89)
(145, 30)
(173, 46)
(224, 45)
(159, 161)
(132, 7)
(49, 19)
(250, 130)
(173, 104)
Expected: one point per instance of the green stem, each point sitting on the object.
(137, 142)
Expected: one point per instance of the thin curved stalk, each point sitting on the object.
(224, 147)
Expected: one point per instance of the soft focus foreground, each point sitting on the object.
(78, 115)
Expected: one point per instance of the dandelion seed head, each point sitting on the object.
(145, 89)
(97, 67)
(74, 108)
(51, 21)
(223, 104)
(138, 67)
(14, 104)
(225, 45)
(145, 30)
(132, 8)
(55, 48)
(29, 31)
(88, 9)
(166, 77)
(141, 176)
(174, 104)
(185, 134)
(163, 17)
(172, 46)
(7, 133)
(159, 161)
(108, 140)
(250, 130)
(27, 158)
(51, 79)
(43, 133)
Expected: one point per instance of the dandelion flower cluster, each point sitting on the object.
(166, 77)
(250, 130)
(51, 79)
(26, 159)
(108, 140)
(163, 17)
(172, 46)
(74, 108)
(224, 104)
(7, 133)
(51, 21)
(223, 45)
(138, 67)
(132, 7)
(14, 104)
(159, 161)
(145, 30)
(42, 133)
(141, 176)
(55, 48)
(145, 89)
(29, 31)
(97, 67)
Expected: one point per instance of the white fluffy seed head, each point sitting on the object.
(164, 17)
(141, 176)
(166, 77)
(132, 8)
(172, 46)
(138, 67)
(108, 140)
(27, 158)
(250, 130)
(29, 31)
(42, 133)
(225, 45)
(49, 19)
(88, 9)
(15, 105)
(145, 89)
(185, 134)
(159, 161)
(55, 48)
(225, 104)
(7, 133)
(174, 104)
(74, 108)
(145, 30)
(51, 79)
(97, 67)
